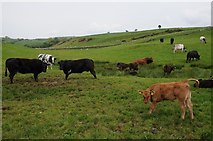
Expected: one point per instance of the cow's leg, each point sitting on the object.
(93, 73)
(152, 107)
(36, 77)
(183, 108)
(66, 76)
(11, 77)
(190, 106)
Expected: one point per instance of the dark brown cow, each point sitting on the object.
(77, 66)
(142, 61)
(168, 69)
(170, 91)
(124, 66)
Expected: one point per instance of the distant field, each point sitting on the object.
(109, 107)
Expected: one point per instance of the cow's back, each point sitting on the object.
(169, 91)
(23, 65)
(78, 66)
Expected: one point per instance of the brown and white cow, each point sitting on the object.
(170, 91)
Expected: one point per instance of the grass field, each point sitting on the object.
(108, 107)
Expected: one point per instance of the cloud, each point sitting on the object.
(198, 17)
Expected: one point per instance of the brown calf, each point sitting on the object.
(170, 91)
(142, 61)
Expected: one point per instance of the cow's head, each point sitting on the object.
(198, 57)
(146, 94)
(184, 49)
(62, 64)
(44, 67)
(149, 60)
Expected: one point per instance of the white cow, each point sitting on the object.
(47, 58)
(203, 39)
(179, 47)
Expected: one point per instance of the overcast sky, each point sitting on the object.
(56, 19)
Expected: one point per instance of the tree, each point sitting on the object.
(159, 26)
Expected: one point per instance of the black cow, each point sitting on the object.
(191, 55)
(172, 41)
(168, 69)
(77, 66)
(22, 65)
(204, 84)
(161, 40)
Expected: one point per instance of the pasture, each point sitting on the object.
(108, 107)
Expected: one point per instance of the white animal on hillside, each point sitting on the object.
(179, 47)
(47, 58)
(203, 39)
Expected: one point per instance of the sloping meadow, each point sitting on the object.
(109, 107)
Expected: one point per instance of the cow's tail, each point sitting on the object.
(192, 79)
(6, 70)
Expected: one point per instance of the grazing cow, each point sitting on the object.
(142, 61)
(47, 58)
(77, 66)
(123, 66)
(204, 83)
(191, 55)
(23, 66)
(172, 41)
(179, 47)
(168, 69)
(161, 40)
(203, 39)
(170, 91)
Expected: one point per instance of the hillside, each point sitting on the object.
(108, 107)
(104, 40)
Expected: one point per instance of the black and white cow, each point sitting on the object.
(77, 66)
(204, 83)
(203, 39)
(47, 58)
(21, 65)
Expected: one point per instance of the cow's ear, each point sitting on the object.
(152, 92)
(140, 91)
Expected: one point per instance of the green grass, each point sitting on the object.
(108, 107)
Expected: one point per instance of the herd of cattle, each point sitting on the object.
(156, 93)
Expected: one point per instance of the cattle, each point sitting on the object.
(142, 61)
(168, 69)
(192, 55)
(170, 91)
(122, 66)
(172, 41)
(203, 39)
(77, 66)
(22, 65)
(47, 58)
(204, 83)
(161, 40)
(179, 47)
(130, 66)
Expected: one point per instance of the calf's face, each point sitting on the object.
(146, 95)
